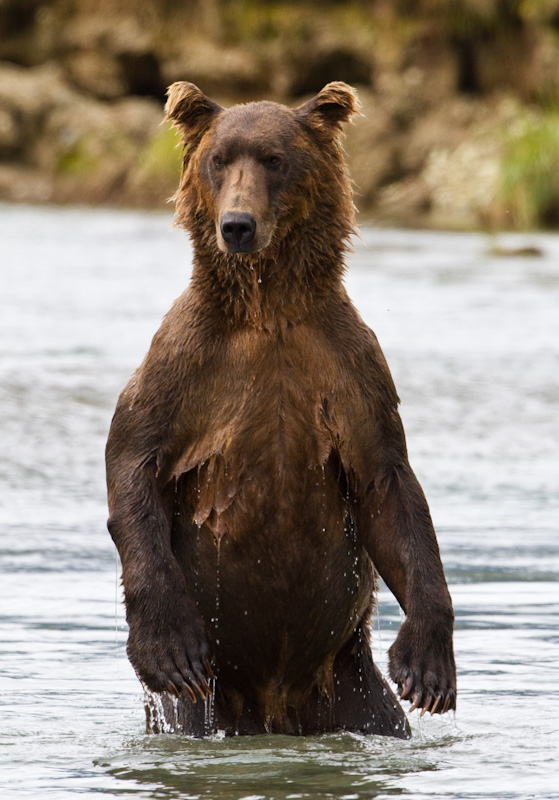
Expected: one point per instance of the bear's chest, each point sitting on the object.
(269, 403)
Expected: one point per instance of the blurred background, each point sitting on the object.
(460, 97)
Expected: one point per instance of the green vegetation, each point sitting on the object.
(249, 21)
(79, 158)
(530, 171)
(162, 154)
(539, 10)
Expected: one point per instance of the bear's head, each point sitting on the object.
(256, 175)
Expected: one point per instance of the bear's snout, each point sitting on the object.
(238, 229)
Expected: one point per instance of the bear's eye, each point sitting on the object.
(273, 162)
(218, 162)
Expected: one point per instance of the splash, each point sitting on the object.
(209, 702)
(160, 719)
(209, 709)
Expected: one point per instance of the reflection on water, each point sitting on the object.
(472, 343)
(331, 766)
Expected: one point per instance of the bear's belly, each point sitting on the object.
(278, 576)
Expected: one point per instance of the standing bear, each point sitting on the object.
(258, 477)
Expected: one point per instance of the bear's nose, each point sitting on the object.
(238, 229)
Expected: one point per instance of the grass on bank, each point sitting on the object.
(530, 171)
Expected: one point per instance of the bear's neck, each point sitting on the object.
(283, 285)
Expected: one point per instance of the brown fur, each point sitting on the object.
(257, 468)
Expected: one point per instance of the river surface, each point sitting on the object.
(473, 344)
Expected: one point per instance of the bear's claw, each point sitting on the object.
(406, 688)
(434, 707)
(426, 675)
(427, 700)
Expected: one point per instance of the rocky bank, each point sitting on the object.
(460, 124)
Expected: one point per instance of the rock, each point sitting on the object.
(218, 69)
(310, 68)
(111, 57)
(527, 251)
(31, 92)
(18, 21)
(96, 73)
(22, 184)
(371, 150)
(405, 202)
(9, 134)
(78, 148)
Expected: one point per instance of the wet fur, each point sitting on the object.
(257, 468)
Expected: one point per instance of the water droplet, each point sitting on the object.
(209, 709)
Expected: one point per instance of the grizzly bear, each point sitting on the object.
(258, 477)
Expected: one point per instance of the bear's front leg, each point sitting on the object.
(167, 643)
(421, 662)
(396, 529)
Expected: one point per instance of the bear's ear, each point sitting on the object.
(190, 110)
(332, 106)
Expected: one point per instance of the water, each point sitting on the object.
(472, 343)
